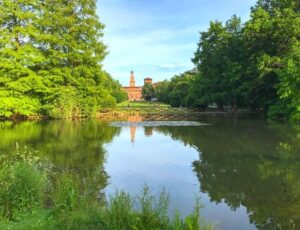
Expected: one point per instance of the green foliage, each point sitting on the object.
(179, 91)
(66, 194)
(252, 66)
(25, 106)
(148, 92)
(21, 190)
(162, 91)
(50, 60)
(68, 205)
(116, 88)
(120, 214)
(259, 172)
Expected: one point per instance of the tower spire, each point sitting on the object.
(132, 81)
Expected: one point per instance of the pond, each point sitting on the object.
(245, 171)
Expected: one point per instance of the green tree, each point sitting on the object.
(209, 59)
(253, 66)
(274, 29)
(148, 91)
(50, 59)
(73, 50)
(162, 91)
(116, 89)
(20, 85)
(180, 90)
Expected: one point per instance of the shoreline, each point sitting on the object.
(155, 113)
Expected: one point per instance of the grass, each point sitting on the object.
(21, 189)
(142, 104)
(143, 108)
(25, 204)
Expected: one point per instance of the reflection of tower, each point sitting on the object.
(132, 133)
(132, 81)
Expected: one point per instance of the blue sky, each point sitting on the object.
(157, 38)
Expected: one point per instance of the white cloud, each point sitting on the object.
(158, 38)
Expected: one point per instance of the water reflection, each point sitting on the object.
(75, 147)
(246, 171)
(249, 164)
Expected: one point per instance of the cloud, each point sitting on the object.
(158, 38)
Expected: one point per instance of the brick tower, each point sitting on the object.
(132, 81)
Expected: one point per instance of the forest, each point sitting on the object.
(51, 56)
(252, 66)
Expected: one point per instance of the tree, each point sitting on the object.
(275, 27)
(180, 90)
(73, 50)
(148, 91)
(50, 59)
(20, 85)
(217, 59)
(253, 66)
(162, 91)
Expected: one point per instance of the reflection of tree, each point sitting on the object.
(148, 131)
(256, 166)
(76, 147)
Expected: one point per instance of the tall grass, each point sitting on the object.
(24, 204)
(21, 189)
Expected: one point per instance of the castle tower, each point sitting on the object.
(148, 80)
(132, 81)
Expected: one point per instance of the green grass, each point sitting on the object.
(142, 104)
(32, 198)
(143, 107)
(21, 189)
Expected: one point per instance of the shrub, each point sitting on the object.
(21, 189)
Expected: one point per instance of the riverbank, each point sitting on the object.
(165, 113)
(151, 113)
(33, 196)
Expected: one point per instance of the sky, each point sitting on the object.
(158, 38)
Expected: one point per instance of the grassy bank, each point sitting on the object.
(142, 104)
(142, 108)
(32, 196)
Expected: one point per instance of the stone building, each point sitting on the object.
(135, 92)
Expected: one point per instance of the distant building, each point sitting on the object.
(148, 80)
(135, 92)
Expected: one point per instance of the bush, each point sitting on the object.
(21, 189)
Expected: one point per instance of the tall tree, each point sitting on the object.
(20, 85)
(73, 50)
(50, 59)
(274, 29)
(210, 61)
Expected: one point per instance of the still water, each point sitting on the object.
(245, 171)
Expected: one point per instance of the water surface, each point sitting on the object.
(245, 171)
